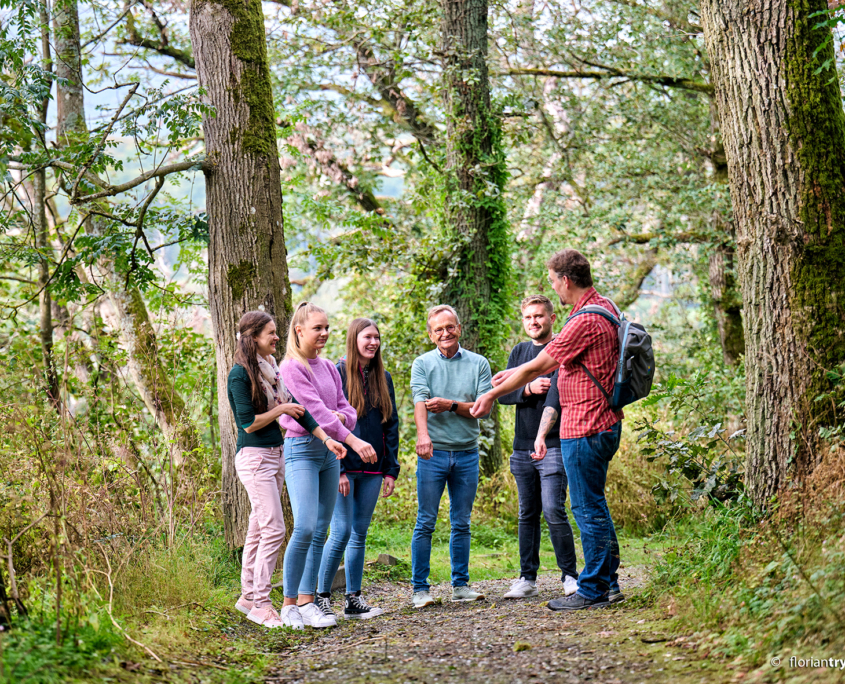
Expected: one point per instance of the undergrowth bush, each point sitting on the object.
(30, 653)
(756, 587)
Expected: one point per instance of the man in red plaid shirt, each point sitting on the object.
(589, 430)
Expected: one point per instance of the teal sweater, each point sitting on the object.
(239, 389)
(461, 378)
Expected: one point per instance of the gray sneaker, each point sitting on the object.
(465, 594)
(615, 596)
(421, 599)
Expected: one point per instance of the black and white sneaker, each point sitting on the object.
(323, 602)
(357, 608)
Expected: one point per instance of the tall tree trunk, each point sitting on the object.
(42, 238)
(784, 133)
(721, 269)
(247, 259)
(43, 247)
(477, 277)
(132, 319)
(727, 302)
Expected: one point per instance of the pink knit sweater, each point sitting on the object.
(321, 392)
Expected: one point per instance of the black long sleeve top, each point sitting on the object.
(529, 410)
(384, 437)
(239, 390)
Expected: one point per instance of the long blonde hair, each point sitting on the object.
(300, 317)
(379, 395)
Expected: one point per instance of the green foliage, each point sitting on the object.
(30, 653)
(751, 589)
(706, 457)
(834, 432)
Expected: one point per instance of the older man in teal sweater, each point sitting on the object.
(445, 382)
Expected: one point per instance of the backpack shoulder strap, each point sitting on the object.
(597, 310)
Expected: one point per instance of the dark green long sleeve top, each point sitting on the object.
(239, 389)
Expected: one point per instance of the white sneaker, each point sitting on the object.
(422, 599)
(266, 617)
(291, 617)
(314, 617)
(570, 585)
(522, 588)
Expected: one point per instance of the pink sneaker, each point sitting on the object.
(266, 616)
(243, 605)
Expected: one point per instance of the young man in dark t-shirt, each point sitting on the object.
(536, 461)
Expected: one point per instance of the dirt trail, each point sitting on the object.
(495, 641)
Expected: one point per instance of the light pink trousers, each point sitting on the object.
(262, 472)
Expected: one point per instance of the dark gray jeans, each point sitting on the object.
(542, 487)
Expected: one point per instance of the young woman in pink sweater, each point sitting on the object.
(311, 470)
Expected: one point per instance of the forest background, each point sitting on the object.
(168, 166)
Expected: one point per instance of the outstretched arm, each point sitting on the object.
(519, 376)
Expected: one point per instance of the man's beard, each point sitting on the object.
(543, 332)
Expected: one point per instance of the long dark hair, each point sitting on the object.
(379, 395)
(251, 325)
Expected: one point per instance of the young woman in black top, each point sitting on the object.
(369, 390)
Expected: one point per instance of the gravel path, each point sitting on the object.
(494, 641)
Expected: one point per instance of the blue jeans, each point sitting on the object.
(459, 471)
(350, 522)
(311, 474)
(541, 486)
(586, 460)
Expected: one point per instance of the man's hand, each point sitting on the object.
(539, 449)
(343, 485)
(501, 376)
(438, 405)
(538, 386)
(424, 448)
(482, 406)
(389, 485)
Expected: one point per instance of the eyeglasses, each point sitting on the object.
(438, 332)
(552, 282)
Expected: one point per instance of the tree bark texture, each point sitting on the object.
(727, 302)
(721, 261)
(784, 134)
(42, 245)
(134, 327)
(70, 106)
(247, 258)
(477, 276)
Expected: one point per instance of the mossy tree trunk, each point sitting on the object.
(784, 134)
(477, 275)
(132, 319)
(247, 259)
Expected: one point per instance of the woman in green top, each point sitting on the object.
(258, 397)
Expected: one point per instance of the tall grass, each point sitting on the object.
(755, 588)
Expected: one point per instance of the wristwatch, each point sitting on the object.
(453, 407)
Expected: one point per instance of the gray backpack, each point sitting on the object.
(635, 368)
